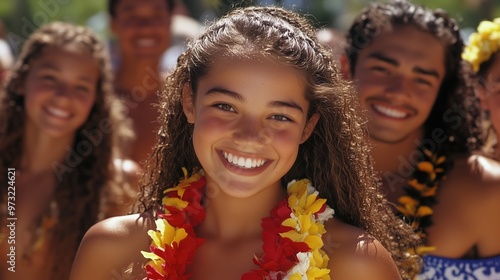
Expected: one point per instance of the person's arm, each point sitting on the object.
(370, 261)
(356, 255)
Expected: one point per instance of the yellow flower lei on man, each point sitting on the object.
(416, 205)
(483, 43)
(292, 235)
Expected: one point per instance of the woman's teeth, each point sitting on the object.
(243, 162)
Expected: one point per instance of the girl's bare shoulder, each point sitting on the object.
(127, 227)
(113, 245)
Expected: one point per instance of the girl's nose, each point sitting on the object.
(252, 134)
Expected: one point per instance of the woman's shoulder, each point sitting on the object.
(475, 176)
(112, 245)
(355, 254)
(473, 186)
(485, 167)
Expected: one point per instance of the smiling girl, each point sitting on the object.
(257, 111)
(60, 129)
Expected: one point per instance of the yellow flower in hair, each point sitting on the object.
(483, 44)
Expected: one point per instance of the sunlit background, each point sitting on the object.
(21, 17)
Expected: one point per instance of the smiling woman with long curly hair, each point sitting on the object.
(61, 129)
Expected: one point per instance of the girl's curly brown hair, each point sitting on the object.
(334, 158)
(456, 110)
(80, 194)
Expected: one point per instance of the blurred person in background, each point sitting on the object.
(6, 55)
(424, 124)
(61, 130)
(6, 60)
(142, 30)
(334, 40)
(483, 53)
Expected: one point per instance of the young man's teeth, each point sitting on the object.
(243, 162)
(145, 42)
(390, 112)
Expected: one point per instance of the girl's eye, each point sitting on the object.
(82, 89)
(281, 118)
(225, 107)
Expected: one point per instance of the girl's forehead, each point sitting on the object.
(252, 61)
(70, 49)
(254, 67)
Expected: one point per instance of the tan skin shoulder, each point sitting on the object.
(465, 216)
(476, 178)
(485, 167)
(111, 249)
(354, 254)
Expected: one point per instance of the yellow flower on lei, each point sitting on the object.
(308, 228)
(164, 234)
(483, 43)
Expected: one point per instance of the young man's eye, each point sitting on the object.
(225, 107)
(380, 69)
(423, 82)
(281, 118)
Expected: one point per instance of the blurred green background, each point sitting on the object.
(21, 17)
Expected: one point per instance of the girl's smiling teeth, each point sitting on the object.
(58, 112)
(393, 113)
(242, 161)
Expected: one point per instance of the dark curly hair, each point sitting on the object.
(335, 156)
(456, 108)
(489, 134)
(81, 193)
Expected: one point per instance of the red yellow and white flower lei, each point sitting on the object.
(292, 235)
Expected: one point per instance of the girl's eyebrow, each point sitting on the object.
(239, 97)
(287, 104)
(224, 91)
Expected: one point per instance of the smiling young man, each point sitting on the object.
(406, 63)
(142, 29)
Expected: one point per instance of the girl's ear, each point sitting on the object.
(311, 124)
(187, 103)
